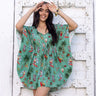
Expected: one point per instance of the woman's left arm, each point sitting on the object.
(72, 24)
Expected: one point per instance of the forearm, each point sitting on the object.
(23, 20)
(70, 22)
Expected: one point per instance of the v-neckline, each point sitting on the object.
(41, 33)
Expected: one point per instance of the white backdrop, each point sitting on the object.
(6, 46)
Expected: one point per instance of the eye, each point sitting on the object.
(47, 10)
(40, 9)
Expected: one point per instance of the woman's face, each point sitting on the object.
(44, 12)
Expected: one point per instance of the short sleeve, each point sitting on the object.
(25, 44)
(25, 34)
(60, 27)
(63, 44)
(63, 33)
(26, 31)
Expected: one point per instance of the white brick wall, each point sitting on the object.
(81, 81)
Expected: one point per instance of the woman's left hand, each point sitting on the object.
(52, 7)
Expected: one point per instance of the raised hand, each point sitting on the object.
(38, 6)
(52, 7)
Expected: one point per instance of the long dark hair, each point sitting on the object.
(49, 24)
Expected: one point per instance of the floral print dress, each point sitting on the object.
(39, 63)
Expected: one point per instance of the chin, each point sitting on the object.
(43, 20)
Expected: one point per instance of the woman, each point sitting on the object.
(44, 59)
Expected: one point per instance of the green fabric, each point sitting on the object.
(39, 63)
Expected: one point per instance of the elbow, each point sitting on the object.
(75, 26)
(16, 26)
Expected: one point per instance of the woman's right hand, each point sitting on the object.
(37, 6)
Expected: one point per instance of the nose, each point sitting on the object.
(43, 12)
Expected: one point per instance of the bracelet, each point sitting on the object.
(56, 11)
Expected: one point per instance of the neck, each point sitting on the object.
(42, 24)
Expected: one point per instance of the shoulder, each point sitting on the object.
(27, 30)
(61, 26)
(28, 27)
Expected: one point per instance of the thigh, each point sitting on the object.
(42, 91)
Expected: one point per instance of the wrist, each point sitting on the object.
(57, 10)
(32, 9)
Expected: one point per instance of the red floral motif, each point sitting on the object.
(60, 78)
(60, 59)
(68, 54)
(49, 36)
(35, 65)
(51, 65)
(51, 62)
(61, 33)
(66, 36)
(18, 62)
(25, 33)
(20, 51)
(23, 74)
(41, 83)
(70, 62)
(31, 82)
(45, 56)
(29, 32)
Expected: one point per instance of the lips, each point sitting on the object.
(43, 16)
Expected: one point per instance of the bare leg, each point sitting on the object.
(34, 92)
(42, 91)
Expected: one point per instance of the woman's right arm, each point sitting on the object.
(22, 21)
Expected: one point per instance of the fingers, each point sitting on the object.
(40, 3)
(38, 6)
(52, 3)
(37, 9)
(49, 5)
